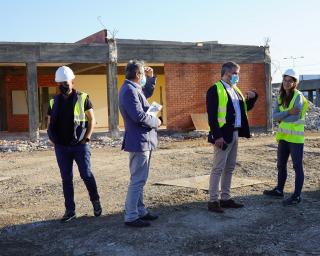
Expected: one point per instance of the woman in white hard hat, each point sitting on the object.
(289, 109)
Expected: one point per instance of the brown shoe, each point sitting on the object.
(230, 204)
(215, 207)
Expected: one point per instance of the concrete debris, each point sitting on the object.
(19, 142)
(179, 136)
(15, 143)
(313, 117)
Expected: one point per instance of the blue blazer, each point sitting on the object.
(140, 128)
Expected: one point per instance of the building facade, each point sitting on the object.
(185, 71)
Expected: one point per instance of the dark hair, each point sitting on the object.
(133, 67)
(284, 97)
(228, 66)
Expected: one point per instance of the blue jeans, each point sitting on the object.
(139, 164)
(296, 151)
(81, 154)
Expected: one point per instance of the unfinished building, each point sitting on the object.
(184, 71)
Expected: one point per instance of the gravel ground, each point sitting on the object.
(31, 204)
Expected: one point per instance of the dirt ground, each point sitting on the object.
(31, 204)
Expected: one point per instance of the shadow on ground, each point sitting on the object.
(263, 227)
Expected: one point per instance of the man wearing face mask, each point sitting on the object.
(140, 138)
(227, 116)
(70, 126)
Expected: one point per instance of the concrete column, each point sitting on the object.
(268, 87)
(317, 103)
(310, 96)
(33, 106)
(112, 88)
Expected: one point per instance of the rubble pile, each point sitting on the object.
(20, 142)
(13, 143)
(312, 117)
(167, 136)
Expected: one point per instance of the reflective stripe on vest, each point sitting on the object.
(223, 101)
(292, 131)
(80, 117)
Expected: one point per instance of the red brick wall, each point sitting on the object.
(99, 37)
(253, 76)
(16, 123)
(186, 87)
(20, 123)
(187, 84)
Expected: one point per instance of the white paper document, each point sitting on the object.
(154, 109)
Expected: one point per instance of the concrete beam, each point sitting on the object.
(208, 53)
(307, 85)
(150, 51)
(53, 53)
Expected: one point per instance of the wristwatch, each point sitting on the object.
(87, 139)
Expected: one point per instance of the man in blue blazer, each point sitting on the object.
(140, 138)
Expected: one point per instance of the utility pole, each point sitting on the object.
(293, 59)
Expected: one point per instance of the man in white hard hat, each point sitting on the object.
(71, 122)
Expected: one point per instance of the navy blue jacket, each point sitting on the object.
(140, 128)
(66, 132)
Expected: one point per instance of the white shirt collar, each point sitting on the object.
(226, 84)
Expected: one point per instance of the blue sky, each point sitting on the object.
(292, 26)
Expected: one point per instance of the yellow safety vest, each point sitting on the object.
(80, 118)
(292, 131)
(223, 101)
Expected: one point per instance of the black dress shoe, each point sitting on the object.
(138, 223)
(149, 216)
(215, 207)
(230, 204)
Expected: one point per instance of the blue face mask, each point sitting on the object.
(234, 79)
(143, 80)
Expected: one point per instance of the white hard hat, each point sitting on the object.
(64, 74)
(292, 73)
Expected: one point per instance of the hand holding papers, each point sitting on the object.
(154, 109)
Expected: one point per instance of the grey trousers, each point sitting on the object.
(224, 162)
(139, 164)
